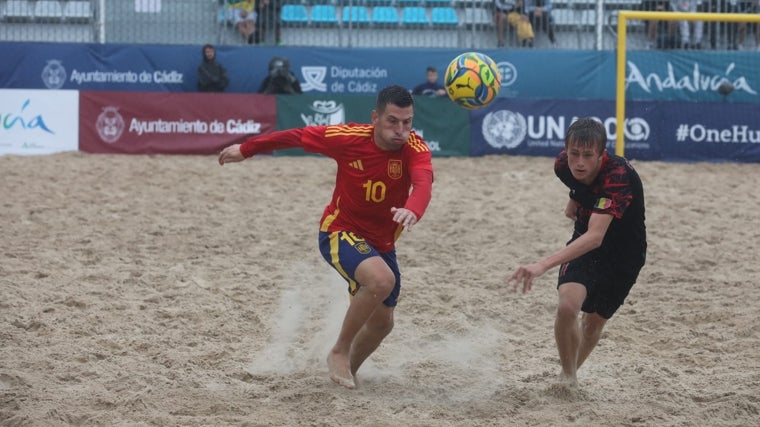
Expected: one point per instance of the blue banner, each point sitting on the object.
(671, 131)
(526, 74)
(688, 75)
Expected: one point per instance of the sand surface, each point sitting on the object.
(170, 291)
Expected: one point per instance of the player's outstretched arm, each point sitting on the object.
(405, 217)
(231, 154)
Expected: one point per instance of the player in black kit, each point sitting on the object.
(602, 260)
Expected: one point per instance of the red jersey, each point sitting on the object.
(369, 180)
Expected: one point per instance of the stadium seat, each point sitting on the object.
(77, 11)
(444, 16)
(323, 15)
(384, 15)
(355, 16)
(294, 14)
(414, 16)
(407, 3)
(438, 3)
(477, 17)
(48, 11)
(18, 10)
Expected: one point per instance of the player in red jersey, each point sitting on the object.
(378, 165)
(602, 260)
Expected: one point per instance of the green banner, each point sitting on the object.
(442, 124)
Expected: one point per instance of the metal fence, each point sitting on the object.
(577, 24)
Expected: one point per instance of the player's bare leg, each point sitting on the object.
(377, 327)
(591, 330)
(567, 331)
(376, 283)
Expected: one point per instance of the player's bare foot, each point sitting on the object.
(569, 381)
(340, 371)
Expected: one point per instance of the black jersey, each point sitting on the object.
(617, 191)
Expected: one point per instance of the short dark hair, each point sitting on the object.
(431, 69)
(587, 132)
(396, 95)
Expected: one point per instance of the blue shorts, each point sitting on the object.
(344, 251)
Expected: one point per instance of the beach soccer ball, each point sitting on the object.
(472, 80)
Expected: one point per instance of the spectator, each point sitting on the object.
(540, 16)
(431, 87)
(689, 6)
(660, 34)
(243, 17)
(508, 13)
(714, 28)
(269, 19)
(212, 76)
(280, 79)
(744, 27)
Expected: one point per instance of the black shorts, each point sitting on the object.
(607, 284)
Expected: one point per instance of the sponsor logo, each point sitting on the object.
(23, 120)
(325, 113)
(357, 164)
(110, 125)
(344, 80)
(314, 79)
(54, 75)
(504, 129)
(508, 73)
(698, 81)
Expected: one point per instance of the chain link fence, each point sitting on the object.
(464, 24)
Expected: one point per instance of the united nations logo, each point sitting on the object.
(54, 75)
(636, 129)
(328, 112)
(504, 129)
(110, 125)
(508, 73)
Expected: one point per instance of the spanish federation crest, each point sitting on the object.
(394, 169)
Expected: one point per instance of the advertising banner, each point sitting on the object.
(710, 132)
(171, 123)
(669, 131)
(693, 75)
(444, 126)
(673, 75)
(38, 121)
(533, 127)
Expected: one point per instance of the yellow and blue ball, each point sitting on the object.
(472, 80)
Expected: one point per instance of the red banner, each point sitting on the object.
(171, 123)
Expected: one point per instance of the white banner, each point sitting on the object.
(38, 121)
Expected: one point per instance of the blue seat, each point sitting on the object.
(407, 3)
(432, 3)
(414, 16)
(294, 14)
(323, 14)
(384, 15)
(356, 15)
(444, 16)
